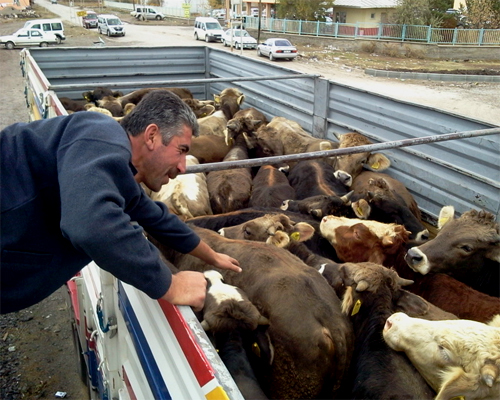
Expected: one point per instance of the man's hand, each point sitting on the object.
(188, 288)
(224, 261)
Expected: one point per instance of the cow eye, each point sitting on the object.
(247, 232)
(444, 353)
(466, 248)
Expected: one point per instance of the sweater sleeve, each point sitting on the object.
(98, 197)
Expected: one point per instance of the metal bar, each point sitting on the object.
(186, 81)
(256, 162)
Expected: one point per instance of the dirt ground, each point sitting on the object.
(36, 349)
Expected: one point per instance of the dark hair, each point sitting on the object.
(163, 108)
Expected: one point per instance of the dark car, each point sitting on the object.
(90, 20)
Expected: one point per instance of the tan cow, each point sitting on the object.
(460, 359)
(230, 100)
(187, 194)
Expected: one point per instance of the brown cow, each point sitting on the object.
(270, 187)
(312, 340)
(456, 297)
(136, 96)
(387, 200)
(467, 248)
(230, 190)
(200, 108)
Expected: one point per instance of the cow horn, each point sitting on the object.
(317, 213)
(404, 282)
(489, 373)
(346, 198)
(204, 325)
(362, 286)
(263, 320)
(387, 240)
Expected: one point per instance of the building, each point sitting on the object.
(363, 11)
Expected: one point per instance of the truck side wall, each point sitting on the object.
(464, 173)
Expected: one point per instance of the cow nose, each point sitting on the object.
(412, 257)
(424, 235)
(388, 324)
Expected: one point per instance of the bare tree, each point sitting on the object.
(483, 14)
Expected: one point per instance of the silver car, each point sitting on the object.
(237, 37)
(275, 48)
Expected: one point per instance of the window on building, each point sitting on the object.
(372, 16)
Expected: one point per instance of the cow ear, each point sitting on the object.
(279, 239)
(302, 232)
(325, 146)
(445, 215)
(208, 110)
(377, 162)
(361, 208)
(411, 304)
(457, 384)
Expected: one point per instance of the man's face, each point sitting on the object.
(166, 162)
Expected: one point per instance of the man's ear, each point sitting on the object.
(151, 136)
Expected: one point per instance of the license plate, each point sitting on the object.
(286, 51)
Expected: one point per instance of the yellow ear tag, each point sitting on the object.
(458, 398)
(256, 350)
(356, 308)
(359, 210)
(376, 165)
(295, 236)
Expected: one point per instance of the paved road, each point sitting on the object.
(479, 101)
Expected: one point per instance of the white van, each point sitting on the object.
(111, 25)
(54, 26)
(207, 29)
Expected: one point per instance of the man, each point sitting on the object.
(70, 194)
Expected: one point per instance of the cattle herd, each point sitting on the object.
(344, 293)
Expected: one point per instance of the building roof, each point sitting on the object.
(367, 3)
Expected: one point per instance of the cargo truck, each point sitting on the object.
(130, 346)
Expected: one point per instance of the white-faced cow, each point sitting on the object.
(311, 338)
(460, 359)
(467, 248)
(387, 200)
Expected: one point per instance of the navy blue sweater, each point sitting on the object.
(68, 196)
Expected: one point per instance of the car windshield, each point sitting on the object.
(114, 21)
(213, 25)
(282, 43)
(239, 33)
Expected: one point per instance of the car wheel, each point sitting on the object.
(259, 53)
(107, 33)
(100, 32)
(196, 36)
(207, 39)
(9, 45)
(158, 17)
(271, 58)
(225, 43)
(59, 40)
(44, 44)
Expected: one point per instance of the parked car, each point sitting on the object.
(142, 12)
(28, 37)
(53, 25)
(275, 48)
(235, 38)
(207, 29)
(111, 25)
(90, 20)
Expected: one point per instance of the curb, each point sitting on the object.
(433, 77)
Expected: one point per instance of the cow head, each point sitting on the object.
(275, 229)
(458, 358)
(320, 206)
(354, 163)
(229, 101)
(200, 108)
(461, 244)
